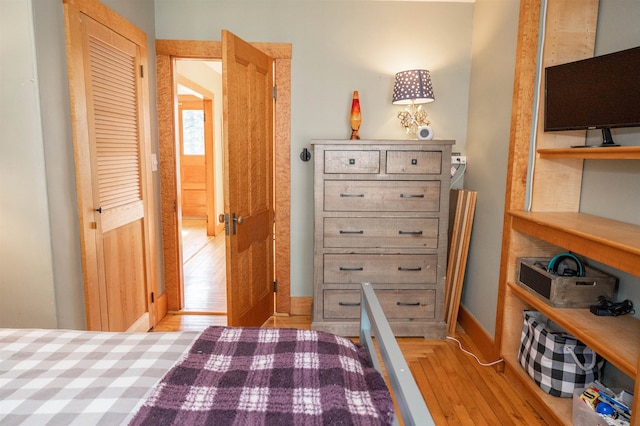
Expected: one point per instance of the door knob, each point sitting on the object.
(239, 219)
(221, 218)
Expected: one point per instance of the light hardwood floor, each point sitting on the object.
(458, 390)
(204, 267)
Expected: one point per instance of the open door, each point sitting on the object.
(247, 88)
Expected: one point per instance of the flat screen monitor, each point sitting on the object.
(602, 92)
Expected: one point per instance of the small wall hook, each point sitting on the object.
(305, 155)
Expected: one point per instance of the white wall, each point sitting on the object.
(339, 47)
(26, 270)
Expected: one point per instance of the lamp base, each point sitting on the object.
(412, 118)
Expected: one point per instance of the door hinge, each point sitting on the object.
(153, 297)
(275, 92)
(275, 286)
(141, 71)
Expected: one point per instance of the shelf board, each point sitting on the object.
(611, 242)
(593, 153)
(621, 347)
(560, 408)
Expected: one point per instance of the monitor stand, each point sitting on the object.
(607, 140)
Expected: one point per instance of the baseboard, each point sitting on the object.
(301, 305)
(161, 307)
(478, 335)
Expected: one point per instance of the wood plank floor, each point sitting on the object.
(204, 269)
(458, 390)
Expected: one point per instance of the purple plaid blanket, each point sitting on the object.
(263, 376)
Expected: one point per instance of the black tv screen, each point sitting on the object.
(597, 93)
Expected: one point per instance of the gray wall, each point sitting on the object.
(26, 266)
(339, 47)
(610, 188)
(495, 28)
(40, 267)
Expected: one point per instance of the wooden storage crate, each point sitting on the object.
(563, 291)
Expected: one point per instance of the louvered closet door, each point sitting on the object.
(113, 99)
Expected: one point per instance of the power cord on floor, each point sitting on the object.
(470, 354)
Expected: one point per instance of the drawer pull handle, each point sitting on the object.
(343, 268)
(349, 304)
(351, 232)
(411, 195)
(352, 195)
(410, 232)
(408, 304)
(352, 161)
(400, 268)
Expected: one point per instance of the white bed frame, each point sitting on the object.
(411, 405)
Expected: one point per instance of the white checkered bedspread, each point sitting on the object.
(60, 377)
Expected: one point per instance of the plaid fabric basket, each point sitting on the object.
(554, 359)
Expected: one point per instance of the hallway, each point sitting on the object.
(204, 263)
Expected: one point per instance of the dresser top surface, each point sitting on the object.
(367, 142)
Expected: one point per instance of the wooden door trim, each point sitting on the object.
(166, 52)
(95, 314)
(209, 161)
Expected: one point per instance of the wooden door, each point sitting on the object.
(247, 88)
(193, 173)
(110, 133)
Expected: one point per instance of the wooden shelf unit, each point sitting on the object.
(607, 241)
(554, 224)
(617, 339)
(592, 153)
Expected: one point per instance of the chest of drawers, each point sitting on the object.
(381, 216)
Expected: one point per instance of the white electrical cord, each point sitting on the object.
(470, 354)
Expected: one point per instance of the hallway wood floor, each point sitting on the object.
(458, 390)
(204, 269)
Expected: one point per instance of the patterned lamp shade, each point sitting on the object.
(412, 87)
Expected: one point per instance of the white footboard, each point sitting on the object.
(411, 405)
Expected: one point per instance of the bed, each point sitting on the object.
(224, 375)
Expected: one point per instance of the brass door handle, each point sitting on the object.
(221, 218)
(239, 220)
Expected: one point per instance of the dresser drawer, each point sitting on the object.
(393, 232)
(418, 162)
(396, 304)
(382, 196)
(380, 268)
(352, 161)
